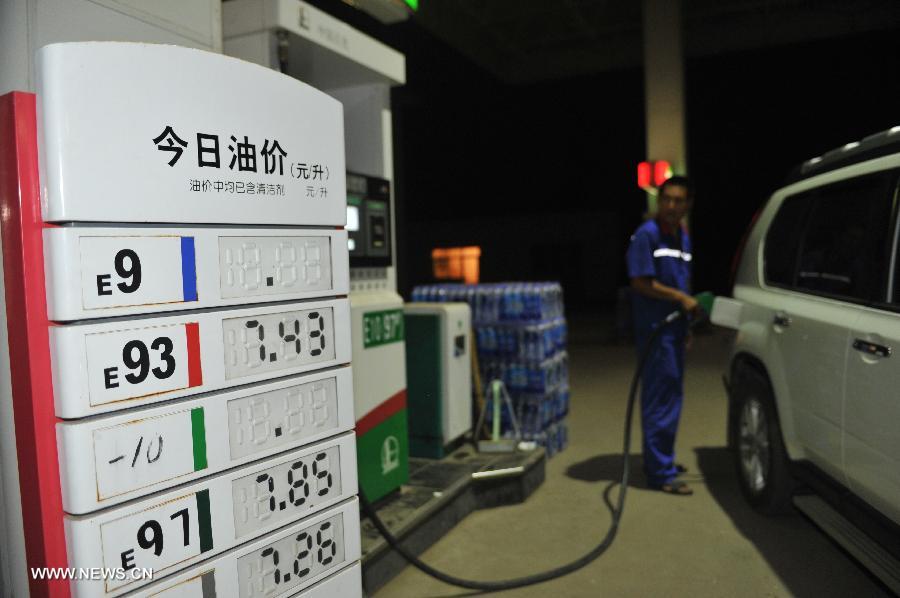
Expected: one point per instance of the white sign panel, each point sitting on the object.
(168, 134)
(321, 560)
(108, 460)
(117, 364)
(167, 532)
(139, 453)
(346, 584)
(151, 360)
(97, 272)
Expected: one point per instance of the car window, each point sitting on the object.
(783, 240)
(844, 249)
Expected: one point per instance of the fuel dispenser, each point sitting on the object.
(440, 375)
(379, 340)
(177, 402)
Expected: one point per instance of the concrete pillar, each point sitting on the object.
(664, 86)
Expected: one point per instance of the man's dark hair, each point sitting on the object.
(679, 180)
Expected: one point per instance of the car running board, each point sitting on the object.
(869, 553)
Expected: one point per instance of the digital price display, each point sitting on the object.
(113, 365)
(101, 272)
(267, 420)
(175, 529)
(312, 558)
(114, 458)
(275, 494)
(284, 564)
(273, 342)
(252, 266)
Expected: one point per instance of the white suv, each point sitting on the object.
(815, 369)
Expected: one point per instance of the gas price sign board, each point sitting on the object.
(117, 364)
(118, 272)
(116, 458)
(224, 142)
(168, 531)
(310, 557)
(179, 328)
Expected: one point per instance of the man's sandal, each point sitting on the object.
(675, 487)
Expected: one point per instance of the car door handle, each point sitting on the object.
(781, 319)
(871, 348)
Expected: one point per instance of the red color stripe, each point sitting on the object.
(374, 417)
(195, 369)
(29, 345)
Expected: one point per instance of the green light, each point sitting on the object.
(413, 4)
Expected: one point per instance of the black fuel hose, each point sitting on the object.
(589, 557)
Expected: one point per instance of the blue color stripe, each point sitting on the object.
(188, 269)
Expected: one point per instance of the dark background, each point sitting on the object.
(543, 176)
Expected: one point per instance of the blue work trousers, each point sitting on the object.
(662, 393)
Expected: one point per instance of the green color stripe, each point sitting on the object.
(198, 431)
(382, 327)
(382, 456)
(206, 537)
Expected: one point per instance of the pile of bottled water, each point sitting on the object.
(520, 334)
(500, 302)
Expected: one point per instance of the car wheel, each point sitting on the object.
(759, 456)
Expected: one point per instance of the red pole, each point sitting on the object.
(21, 228)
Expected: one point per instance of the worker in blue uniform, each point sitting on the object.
(659, 266)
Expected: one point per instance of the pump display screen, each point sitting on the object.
(269, 343)
(261, 422)
(285, 492)
(251, 266)
(368, 221)
(282, 565)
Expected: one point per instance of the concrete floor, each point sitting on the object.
(709, 544)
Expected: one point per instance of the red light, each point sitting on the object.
(661, 172)
(644, 175)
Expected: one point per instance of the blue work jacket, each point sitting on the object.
(665, 257)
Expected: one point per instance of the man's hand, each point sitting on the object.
(689, 304)
(650, 287)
